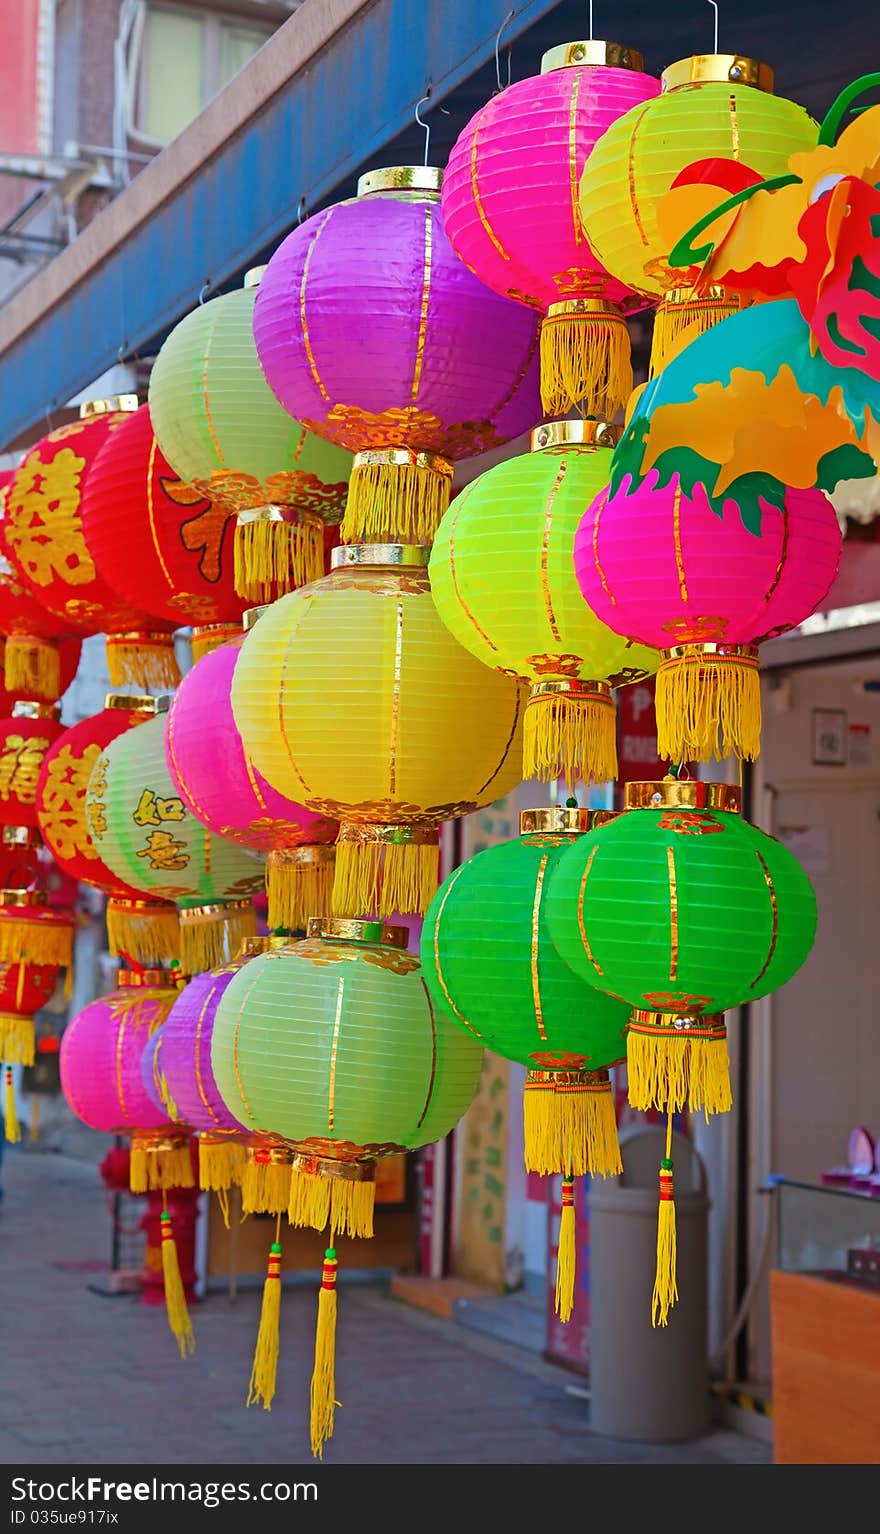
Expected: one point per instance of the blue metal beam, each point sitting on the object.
(351, 102)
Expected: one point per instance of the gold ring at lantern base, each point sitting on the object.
(309, 856)
(686, 1025)
(20, 897)
(160, 639)
(403, 457)
(209, 636)
(272, 1153)
(585, 308)
(196, 913)
(595, 692)
(393, 835)
(574, 434)
(275, 512)
(32, 708)
(569, 1080)
(22, 836)
(742, 654)
(403, 554)
(723, 68)
(132, 703)
(350, 929)
(674, 298)
(346, 1150)
(427, 179)
(591, 52)
(332, 1166)
(157, 1139)
(166, 979)
(562, 820)
(683, 793)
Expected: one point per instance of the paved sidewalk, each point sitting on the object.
(98, 1381)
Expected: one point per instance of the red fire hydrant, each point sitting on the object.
(182, 1205)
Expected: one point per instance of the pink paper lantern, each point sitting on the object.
(510, 204)
(660, 566)
(101, 1053)
(373, 334)
(218, 782)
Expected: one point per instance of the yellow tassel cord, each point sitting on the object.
(265, 1187)
(586, 359)
(400, 502)
(665, 1285)
(36, 942)
(175, 1295)
(149, 934)
(323, 1392)
(10, 1115)
(679, 320)
(299, 884)
(264, 1371)
(274, 555)
(16, 1038)
(569, 1124)
(571, 735)
(32, 667)
(162, 1164)
(708, 705)
(668, 1068)
(142, 660)
(212, 935)
(344, 1204)
(378, 878)
(566, 1254)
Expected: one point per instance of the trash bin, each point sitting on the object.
(648, 1383)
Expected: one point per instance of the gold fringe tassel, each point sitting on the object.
(36, 942)
(159, 1165)
(175, 1294)
(265, 1187)
(708, 706)
(566, 1254)
(149, 934)
(32, 667)
(665, 1286)
(16, 1038)
(212, 935)
(274, 555)
(679, 320)
(569, 1124)
(299, 884)
(571, 735)
(344, 1204)
(10, 1114)
(378, 878)
(671, 1069)
(221, 1162)
(586, 359)
(142, 660)
(264, 1371)
(323, 1391)
(401, 502)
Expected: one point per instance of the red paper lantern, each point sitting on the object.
(25, 739)
(33, 664)
(44, 538)
(35, 942)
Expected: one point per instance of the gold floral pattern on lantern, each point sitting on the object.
(42, 492)
(403, 426)
(203, 533)
(232, 491)
(689, 823)
(20, 763)
(62, 813)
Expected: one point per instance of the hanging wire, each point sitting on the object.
(509, 17)
(714, 5)
(205, 290)
(591, 20)
(427, 126)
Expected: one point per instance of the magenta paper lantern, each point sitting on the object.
(662, 567)
(101, 1053)
(373, 334)
(510, 204)
(218, 782)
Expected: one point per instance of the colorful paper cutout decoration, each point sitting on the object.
(503, 582)
(510, 210)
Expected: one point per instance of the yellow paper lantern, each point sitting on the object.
(352, 698)
(715, 105)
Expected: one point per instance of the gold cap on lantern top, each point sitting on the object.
(722, 68)
(114, 402)
(591, 51)
(164, 703)
(132, 703)
(21, 836)
(131, 979)
(347, 929)
(574, 434)
(253, 615)
(561, 820)
(413, 555)
(684, 794)
(32, 708)
(254, 276)
(427, 179)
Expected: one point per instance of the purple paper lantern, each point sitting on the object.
(374, 334)
(190, 1083)
(151, 1069)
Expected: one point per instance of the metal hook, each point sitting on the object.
(205, 290)
(301, 209)
(509, 17)
(714, 5)
(423, 124)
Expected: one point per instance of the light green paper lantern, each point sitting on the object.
(682, 909)
(146, 835)
(503, 581)
(223, 431)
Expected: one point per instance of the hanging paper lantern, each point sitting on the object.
(712, 106)
(35, 942)
(44, 538)
(219, 784)
(412, 369)
(25, 739)
(146, 835)
(510, 205)
(158, 541)
(146, 928)
(333, 1044)
(221, 428)
(37, 663)
(25, 987)
(503, 582)
(353, 699)
(682, 909)
(491, 968)
(706, 587)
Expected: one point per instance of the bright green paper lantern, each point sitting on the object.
(503, 581)
(147, 837)
(223, 431)
(682, 909)
(491, 967)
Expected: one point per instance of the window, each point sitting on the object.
(185, 56)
